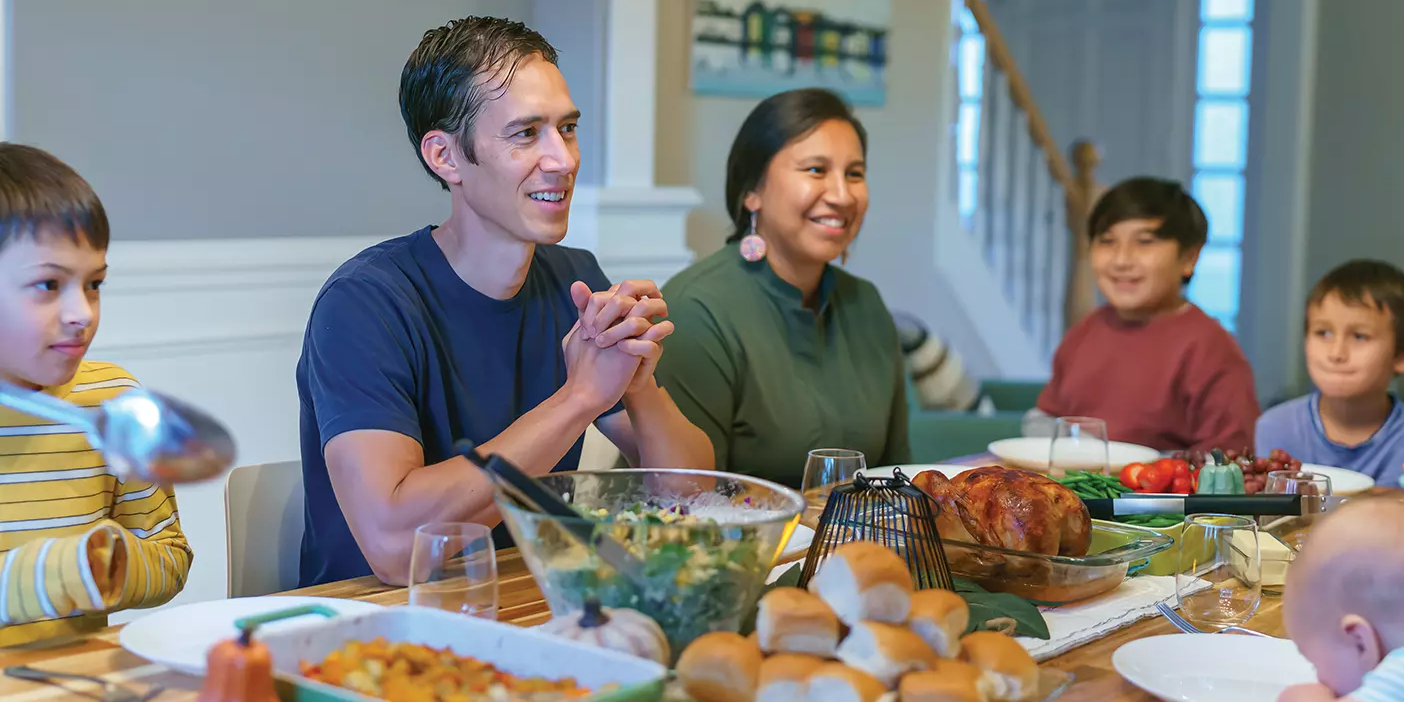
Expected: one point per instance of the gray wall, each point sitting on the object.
(205, 119)
(896, 249)
(1326, 166)
(579, 29)
(1357, 152)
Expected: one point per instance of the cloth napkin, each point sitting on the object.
(1070, 626)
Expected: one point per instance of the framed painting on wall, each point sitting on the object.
(749, 48)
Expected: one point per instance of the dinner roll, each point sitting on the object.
(947, 681)
(1010, 670)
(836, 682)
(885, 651)
(940, 618)
(720, 667)
(791, 620)
(784, 677)
(865, 581)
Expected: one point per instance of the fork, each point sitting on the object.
(111, 691)
(1184, 625)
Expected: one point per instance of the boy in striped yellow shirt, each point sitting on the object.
(76, 543)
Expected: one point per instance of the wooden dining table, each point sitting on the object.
(520, 603)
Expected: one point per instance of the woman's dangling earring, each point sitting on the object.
(752, 245)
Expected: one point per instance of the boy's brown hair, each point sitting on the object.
(38, 191)
(1181, 218)
(1365, 282)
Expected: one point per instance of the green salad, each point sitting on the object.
(699, 576)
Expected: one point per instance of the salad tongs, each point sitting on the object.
(528, 494)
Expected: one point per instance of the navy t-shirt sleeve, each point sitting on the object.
(360, 363)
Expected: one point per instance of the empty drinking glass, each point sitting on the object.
(1079, 443)
(1314, 489)
(454, 567)
(824, 469)
(1219, 579)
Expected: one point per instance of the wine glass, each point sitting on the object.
(824, 469)
(1079, 443)
(1219, 579)
(453, 566)
(1314, 489)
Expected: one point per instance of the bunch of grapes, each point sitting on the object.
(1255, 468)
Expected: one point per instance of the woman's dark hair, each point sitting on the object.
(1181, 218)
(777, 121)
(38, 191)
(440, 86)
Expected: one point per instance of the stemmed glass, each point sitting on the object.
(824, 469)
(1079, 443)
(1219, 579)
(453, 566)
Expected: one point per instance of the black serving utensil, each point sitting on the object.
(1245, 505)
(532, 496)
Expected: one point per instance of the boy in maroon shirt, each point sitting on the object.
(1156, 368)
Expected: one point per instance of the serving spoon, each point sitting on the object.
(142, 433)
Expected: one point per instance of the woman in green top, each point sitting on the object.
(775, 351)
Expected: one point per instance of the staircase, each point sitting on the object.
(1021, 201)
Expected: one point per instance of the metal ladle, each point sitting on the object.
(141, 433)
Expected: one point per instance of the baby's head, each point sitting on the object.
(1344, 605)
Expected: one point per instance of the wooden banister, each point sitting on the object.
(1082, 285)
(999, 55)
(1077, 180)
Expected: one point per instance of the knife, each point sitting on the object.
(1247, 505)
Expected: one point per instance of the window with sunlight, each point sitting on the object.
(1221, 151)
(970, 83)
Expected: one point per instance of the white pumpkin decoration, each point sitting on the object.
(624, 630)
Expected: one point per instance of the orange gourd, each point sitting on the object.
(240, 670)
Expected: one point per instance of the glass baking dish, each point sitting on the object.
(1058, 580)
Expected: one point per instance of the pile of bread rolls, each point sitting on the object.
(861, 633)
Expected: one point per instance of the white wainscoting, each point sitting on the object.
(220, 323)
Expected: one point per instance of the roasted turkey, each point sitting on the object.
(1011, 509)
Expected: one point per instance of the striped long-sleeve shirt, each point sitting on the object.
(75, 542)
(1385, 683)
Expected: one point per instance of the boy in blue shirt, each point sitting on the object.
(481, 328)
(1354, 350)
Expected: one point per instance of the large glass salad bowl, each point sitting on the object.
(707, 541)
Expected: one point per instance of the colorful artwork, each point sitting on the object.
(749, 48)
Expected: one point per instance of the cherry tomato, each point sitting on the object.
(1180, 485)
(1131, 474)
(1181, 468)
(1156, 478)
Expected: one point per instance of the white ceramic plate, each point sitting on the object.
(1212, 667)
(1032, 453)
(1343, 480)
(180, 637)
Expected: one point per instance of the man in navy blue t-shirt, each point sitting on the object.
(481, 328)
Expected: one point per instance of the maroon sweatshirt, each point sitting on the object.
(1175, 382)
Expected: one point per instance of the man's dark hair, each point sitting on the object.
(1364, 282)
(455, 70)
(39, 192)
(774, 123)
(1143, 197)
